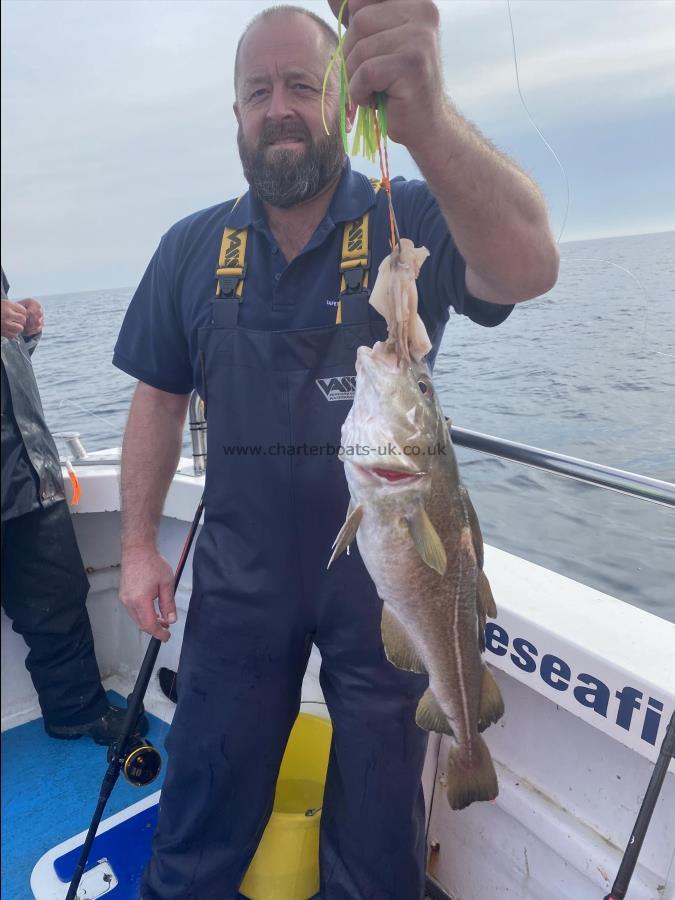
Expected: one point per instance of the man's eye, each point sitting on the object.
(299, 86)
(256, 95)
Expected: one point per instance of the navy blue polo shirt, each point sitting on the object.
(158, 340)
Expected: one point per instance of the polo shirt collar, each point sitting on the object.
(353, 196)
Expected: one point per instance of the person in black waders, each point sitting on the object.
(44, 585)
(261, 304)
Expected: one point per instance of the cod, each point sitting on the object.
(418, 535)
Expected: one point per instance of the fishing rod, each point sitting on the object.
(130, 753)
(630, 856)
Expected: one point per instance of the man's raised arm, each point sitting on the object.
(150, 454)
(495, 212)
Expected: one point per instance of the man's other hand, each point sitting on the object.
(35, 318)
(147, 579)
(14, 318)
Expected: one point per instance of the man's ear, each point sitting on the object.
(350, 116)
(235, 107)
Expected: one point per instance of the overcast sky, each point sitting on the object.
(117, 119)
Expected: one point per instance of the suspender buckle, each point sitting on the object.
(354, 271)
(354, 279)
(228, 286)
(229, 283)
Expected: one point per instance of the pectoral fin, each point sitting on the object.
(348, 531)
(430, 716)
(398, 646)
(426, 540)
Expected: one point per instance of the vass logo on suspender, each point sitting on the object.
(341, 387)
(231, 258)
(355, 235)
(231, 269)
(355, 257)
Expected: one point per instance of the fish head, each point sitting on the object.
(395, 427)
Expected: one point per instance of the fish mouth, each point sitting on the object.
(390, 476)
(380, 354)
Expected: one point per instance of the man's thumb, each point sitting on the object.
(167, 603)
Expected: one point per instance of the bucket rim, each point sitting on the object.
(318, 718)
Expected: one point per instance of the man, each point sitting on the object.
(44, 585)
(261, 343)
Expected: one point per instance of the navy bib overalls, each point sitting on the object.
(276, 496)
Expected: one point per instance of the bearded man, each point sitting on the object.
(260, 305)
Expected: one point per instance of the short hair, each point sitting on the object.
(330, 35)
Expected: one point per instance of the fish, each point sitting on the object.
(419, 537)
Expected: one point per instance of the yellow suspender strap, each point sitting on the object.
(355, 260)
(232, 262)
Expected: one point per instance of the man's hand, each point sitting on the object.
(13, 319)
(35, 318)
(145, 578)
(392, 46)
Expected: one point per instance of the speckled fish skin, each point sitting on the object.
(401, 468)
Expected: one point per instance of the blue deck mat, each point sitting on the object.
(49, 793)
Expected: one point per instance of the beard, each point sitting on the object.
(285, 178)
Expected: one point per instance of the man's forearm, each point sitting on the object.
(495, 212)
(150, 454)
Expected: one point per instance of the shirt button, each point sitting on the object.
(275, 249)
(277, 277)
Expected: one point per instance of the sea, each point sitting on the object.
(587, 370)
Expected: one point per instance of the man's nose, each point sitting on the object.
(280, 107)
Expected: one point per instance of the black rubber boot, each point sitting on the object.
(168, 682)
(103, 731)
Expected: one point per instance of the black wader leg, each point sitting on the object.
(44, 590)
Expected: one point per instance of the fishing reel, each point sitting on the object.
(139, 760)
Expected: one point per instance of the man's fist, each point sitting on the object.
(14, 318)
(34, 316)
(24, 317)
(391, 47)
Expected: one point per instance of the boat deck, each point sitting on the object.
(49, 792)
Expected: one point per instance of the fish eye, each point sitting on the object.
(425, 387)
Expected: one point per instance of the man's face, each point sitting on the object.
(285, 152)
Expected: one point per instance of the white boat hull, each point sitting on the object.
(574, 750)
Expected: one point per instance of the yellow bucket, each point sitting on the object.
(286, 863)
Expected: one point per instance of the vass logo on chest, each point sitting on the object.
(342, 387)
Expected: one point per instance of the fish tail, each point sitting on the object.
(470, 776)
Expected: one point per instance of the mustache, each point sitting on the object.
(274, 131)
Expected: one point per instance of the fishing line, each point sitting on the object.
(568, 196)
(609, 262)
(536, 127)
(89, 412)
